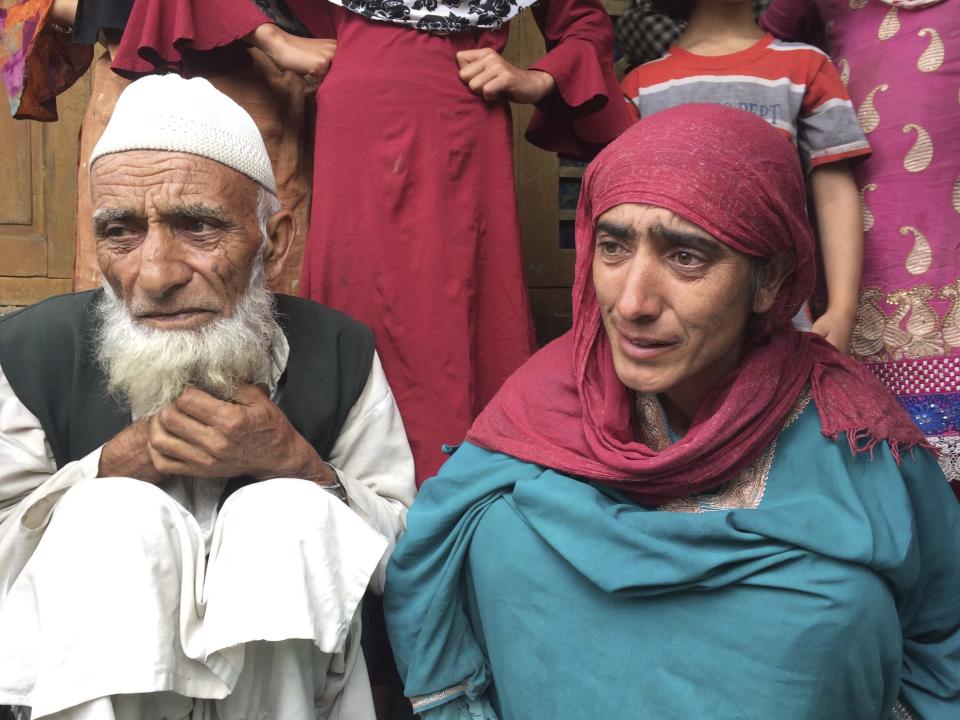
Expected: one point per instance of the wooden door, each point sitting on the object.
(547, 190)
(38, 169)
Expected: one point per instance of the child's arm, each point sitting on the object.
(837, 206)
(309, 57)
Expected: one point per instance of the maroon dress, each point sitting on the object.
(414, 228)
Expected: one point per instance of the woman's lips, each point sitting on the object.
(642, 348)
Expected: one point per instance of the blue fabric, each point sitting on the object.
(838, 594)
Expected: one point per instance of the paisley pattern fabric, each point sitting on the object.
(900, 61)
(440, 16)
(911, 3)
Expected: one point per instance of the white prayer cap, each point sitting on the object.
(166, 112)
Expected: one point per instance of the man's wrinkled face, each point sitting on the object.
(176, 235)
(674, 301)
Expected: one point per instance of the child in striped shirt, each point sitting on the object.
(723, 57)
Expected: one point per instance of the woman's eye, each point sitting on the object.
(687, 259)
(608, 248)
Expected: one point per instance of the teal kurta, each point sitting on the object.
(816, 584)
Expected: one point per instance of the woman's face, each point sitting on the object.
(674, 301)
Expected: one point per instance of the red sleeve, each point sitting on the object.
(823, 85)
(585, 113)
(178, 35)
(794, 21)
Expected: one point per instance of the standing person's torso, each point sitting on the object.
(386, 53)
(769, 79)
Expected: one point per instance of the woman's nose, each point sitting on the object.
(641, 297)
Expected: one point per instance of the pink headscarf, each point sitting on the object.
(733, 175)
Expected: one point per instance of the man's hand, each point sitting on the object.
(836, 328)
(489, 75)
(200, 436)
(126, 455)
(309, 57)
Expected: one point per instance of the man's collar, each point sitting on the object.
(280, 353)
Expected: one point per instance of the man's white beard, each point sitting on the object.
(148, 368)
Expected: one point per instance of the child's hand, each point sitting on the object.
(486, 73)
(836, 327)
(309, 57)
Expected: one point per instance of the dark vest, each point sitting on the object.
(47, 354)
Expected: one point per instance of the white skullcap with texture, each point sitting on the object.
(166, 112)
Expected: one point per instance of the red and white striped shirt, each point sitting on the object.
(792, 86)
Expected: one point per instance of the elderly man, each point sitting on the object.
(198, 479)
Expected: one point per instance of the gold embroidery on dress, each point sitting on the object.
(864, 210)
(950, 329)
(844, 71)
(746, 490)
(955, 195)
(932, 57)
(867, 115)
(922, 322)
(896, 338)
(921, 256)
(915, 329)
(867, 340)
(918, 158)
(651, 423)
(890, 25)
(858, 4)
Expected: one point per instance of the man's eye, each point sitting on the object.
(197, 226)
(116, 231)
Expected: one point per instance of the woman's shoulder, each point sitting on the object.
(858, 503)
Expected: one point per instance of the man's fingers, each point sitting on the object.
(201, 406)
(177, 448)
(179, 424)
(173, 457)
(170, 466)
(251, 394)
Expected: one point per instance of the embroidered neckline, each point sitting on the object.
(747, 489)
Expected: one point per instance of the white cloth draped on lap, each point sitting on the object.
(116, 597)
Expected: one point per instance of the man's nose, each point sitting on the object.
(163, 267)
(641, 297)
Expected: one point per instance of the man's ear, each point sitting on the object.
(281, 228)
(774, 273)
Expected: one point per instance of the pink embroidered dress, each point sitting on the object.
(901, 65)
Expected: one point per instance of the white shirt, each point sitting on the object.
(371, 457)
